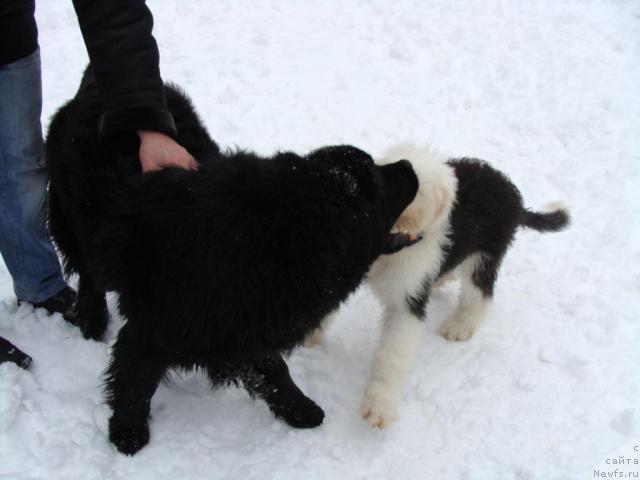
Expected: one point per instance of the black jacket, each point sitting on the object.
(123, 53)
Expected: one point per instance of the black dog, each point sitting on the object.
(224, 268)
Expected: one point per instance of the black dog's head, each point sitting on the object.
(389, 188)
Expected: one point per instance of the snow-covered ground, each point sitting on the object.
(549, 388)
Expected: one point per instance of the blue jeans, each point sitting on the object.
(24, 241)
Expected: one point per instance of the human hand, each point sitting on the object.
(158, 151)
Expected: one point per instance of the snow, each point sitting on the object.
(548, 388)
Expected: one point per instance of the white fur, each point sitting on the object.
(392, 277)
(401, 337)
(446, 278)
(555, 206)
(472, 304)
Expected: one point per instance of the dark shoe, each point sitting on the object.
(61, 302)
(10, 353)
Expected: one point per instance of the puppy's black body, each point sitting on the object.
(224, 268)
(486, 215)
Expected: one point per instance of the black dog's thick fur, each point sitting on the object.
(224, 268)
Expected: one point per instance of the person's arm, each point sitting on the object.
(125, 61)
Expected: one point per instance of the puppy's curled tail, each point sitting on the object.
(554, 218)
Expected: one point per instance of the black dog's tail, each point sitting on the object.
(553, 219)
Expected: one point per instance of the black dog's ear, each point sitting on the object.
(397, 241)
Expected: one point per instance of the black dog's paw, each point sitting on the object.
(93, 327)
(94, 331)
(128, 439)
(300, 412)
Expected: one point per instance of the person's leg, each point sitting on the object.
(24, 241)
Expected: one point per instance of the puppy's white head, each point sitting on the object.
(436, 194)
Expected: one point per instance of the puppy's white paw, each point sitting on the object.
(314, 338)
(377, 411)
(455, 330)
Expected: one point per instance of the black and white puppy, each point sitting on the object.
(224, 268)
(467, 213)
